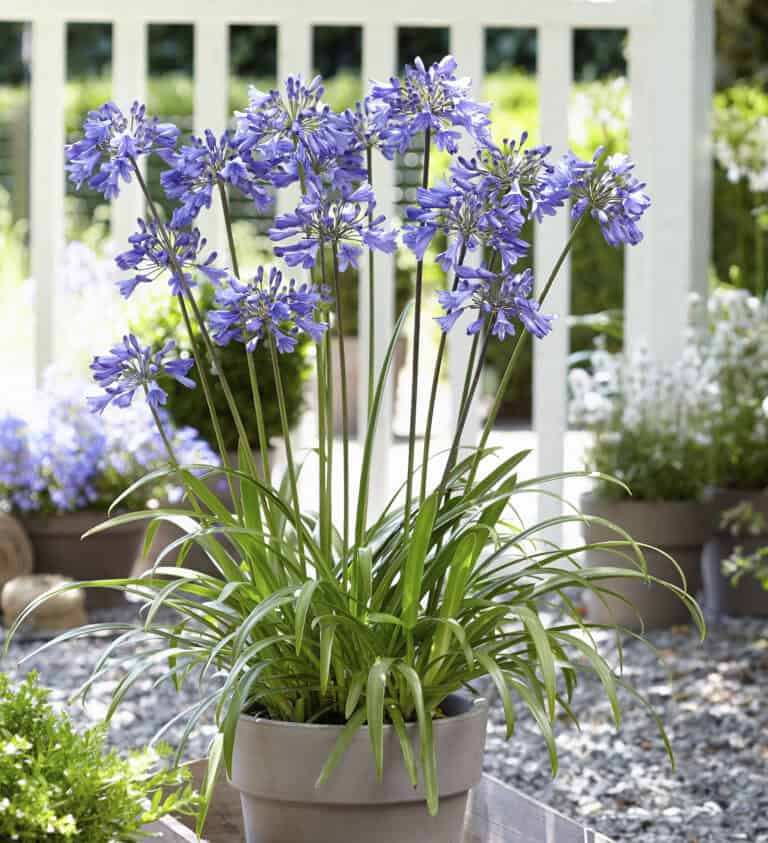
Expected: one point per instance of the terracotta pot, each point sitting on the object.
(354, 373)
(679, 528)
(59, 549)
(276, 764)
(749, 598)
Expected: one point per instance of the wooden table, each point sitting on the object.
(496, 814)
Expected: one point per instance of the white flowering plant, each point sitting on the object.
(60, 786)
(649, 424)
(733, 339)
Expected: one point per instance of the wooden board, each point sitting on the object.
(496, 814)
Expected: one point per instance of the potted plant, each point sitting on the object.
(59, 785)
(337, 648)
(734, 339)
(62, 466)
(649, 426)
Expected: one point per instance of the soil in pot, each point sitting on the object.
(678, 528)
(276, 764)
(748, 598)
(59, 549)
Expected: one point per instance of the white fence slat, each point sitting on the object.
(555, 71)
(129, 83)
(211, 101)
(47, 179)
(468, 48)
(671, 70)
(379, 60)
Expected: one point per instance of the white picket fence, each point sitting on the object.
(671, 57)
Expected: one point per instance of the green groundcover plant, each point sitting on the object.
(59, 785)
(353, 614)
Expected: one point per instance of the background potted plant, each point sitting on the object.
(649, 423)
(61, 468)
(347, 635)
(59, 785)
(734, 339)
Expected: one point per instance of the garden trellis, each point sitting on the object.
(670, 57)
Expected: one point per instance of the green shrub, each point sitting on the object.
(186, 407)
(58, 785)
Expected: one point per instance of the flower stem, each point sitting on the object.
(325, 428)
(418, 294)
(344, 408)
(371, 271)
(433, 391)
(257, 405)
(291, 467)
(516, 351)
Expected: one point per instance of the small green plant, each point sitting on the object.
(744, 521)
(60, 785)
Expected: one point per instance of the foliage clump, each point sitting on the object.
(59, 785)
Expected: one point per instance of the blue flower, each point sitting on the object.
(431, 99)
(297, 133)
(343, 220)
(469, 218)
(111, 145)
(249, 312)
(366, 124)
(150, 258)
(197, 167)
(511, 175)
(498, 299)
(130, 366)
(609, 192)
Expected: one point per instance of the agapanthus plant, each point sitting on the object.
(372, 616)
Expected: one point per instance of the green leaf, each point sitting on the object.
(406, 747)
(426, 742)
(341, 745)
(546, 660)
(303, 603)
(354, 693)
(374, 696)
(209, 782)
(418, 547)
(229, 728)
(327, 633)
(499, 680)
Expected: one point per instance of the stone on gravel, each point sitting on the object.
(62, 612)
(16, 553)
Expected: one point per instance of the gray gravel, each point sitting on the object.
(712, 696)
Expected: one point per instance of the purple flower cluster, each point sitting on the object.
(152, 257)
(430, 98)
(250, 312)
(498, 299)
(343, 220)
(130, 366)
(112, 143)
(468, 219)
(196, 168)
(510, 175)
(20, 480)
(65, 459)
(609, 192)
(297, 133)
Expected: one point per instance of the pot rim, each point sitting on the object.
(478, 705)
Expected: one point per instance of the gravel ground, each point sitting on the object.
(712, 696)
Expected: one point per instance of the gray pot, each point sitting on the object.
(679, 528)
(276, 764)
(720, 597)
(59, 549)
